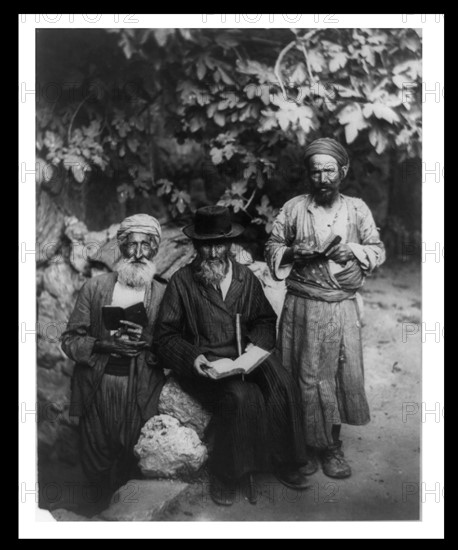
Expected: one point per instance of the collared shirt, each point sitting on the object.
(226, 282)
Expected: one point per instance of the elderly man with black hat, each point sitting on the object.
(256, 424)
(112, 399)
(325, 244)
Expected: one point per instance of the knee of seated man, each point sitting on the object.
(240, 395)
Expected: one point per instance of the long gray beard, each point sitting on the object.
(136, 275)
(211, 272)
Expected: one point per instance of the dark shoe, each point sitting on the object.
(312, 465)
(252, 490)
(334, 463)
(293, 479)
(221, 493)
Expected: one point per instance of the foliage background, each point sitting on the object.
(166, 120)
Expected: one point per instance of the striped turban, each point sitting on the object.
(327, 146)
(140, 223)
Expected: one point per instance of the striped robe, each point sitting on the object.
(320, 326)
(100, 399)
(256, 423)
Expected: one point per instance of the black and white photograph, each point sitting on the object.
(229, 263)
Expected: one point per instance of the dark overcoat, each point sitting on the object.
(86, 325)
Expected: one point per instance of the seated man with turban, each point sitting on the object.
(110, 421)
(320, 329)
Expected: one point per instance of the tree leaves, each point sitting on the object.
(338, 62)
(208, 87)
(378, 139)
(219, 119)
(381, 111)
(351, 116)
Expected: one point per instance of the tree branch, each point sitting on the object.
(69, 134)
(307, 64)
(277, 68)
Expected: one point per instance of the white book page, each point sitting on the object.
(246, 361)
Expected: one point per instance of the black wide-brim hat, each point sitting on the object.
(213, 223)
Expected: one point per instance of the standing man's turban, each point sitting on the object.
(140, 223)
(327, 146)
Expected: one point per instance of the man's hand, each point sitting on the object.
(132, 330)
(202, 366)
(340, 253)
(303, 251)
(299, 252)
(119, 346)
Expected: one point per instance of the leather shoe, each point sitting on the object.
(222, 493)
(252, 490)
(334, 463)
(293, 479)
(312, 464)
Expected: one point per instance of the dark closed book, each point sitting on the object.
(113, 314)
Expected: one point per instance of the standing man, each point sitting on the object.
(320, 328)
(256, 422)
(109, 425)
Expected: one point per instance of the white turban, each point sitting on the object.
(140, 223)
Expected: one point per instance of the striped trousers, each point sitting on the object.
(320, 345)
(106, 457)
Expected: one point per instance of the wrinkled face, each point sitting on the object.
(212, 250)
(138, 247)
(136, 267)
(326, 176)
(212, 261)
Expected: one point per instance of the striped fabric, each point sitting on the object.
(320, 345)
(296, 223)
(99, 398)
(194, 319)
(256, 423)
(106, 456)
(86, 325)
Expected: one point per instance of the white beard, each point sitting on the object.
(135, 275)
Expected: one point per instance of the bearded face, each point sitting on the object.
(326, 175)
(136, 267)
(212, 261)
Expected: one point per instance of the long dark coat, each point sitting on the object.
(256, 422)
(86, 325)
(195, 319)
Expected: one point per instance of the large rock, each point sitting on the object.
(63, 283)
(90, 246)
(180, 405)
(75, 231)
(100, 243)
(142, 500)
(57, 432)
(50, 226)
(53, 394)
(52, 320)
(61, 514)
(167, 449)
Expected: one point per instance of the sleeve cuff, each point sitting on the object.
(281, 272)
(88, 356)
(360, 254)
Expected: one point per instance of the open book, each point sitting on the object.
(244, 364)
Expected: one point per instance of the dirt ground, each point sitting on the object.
(384, 455)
